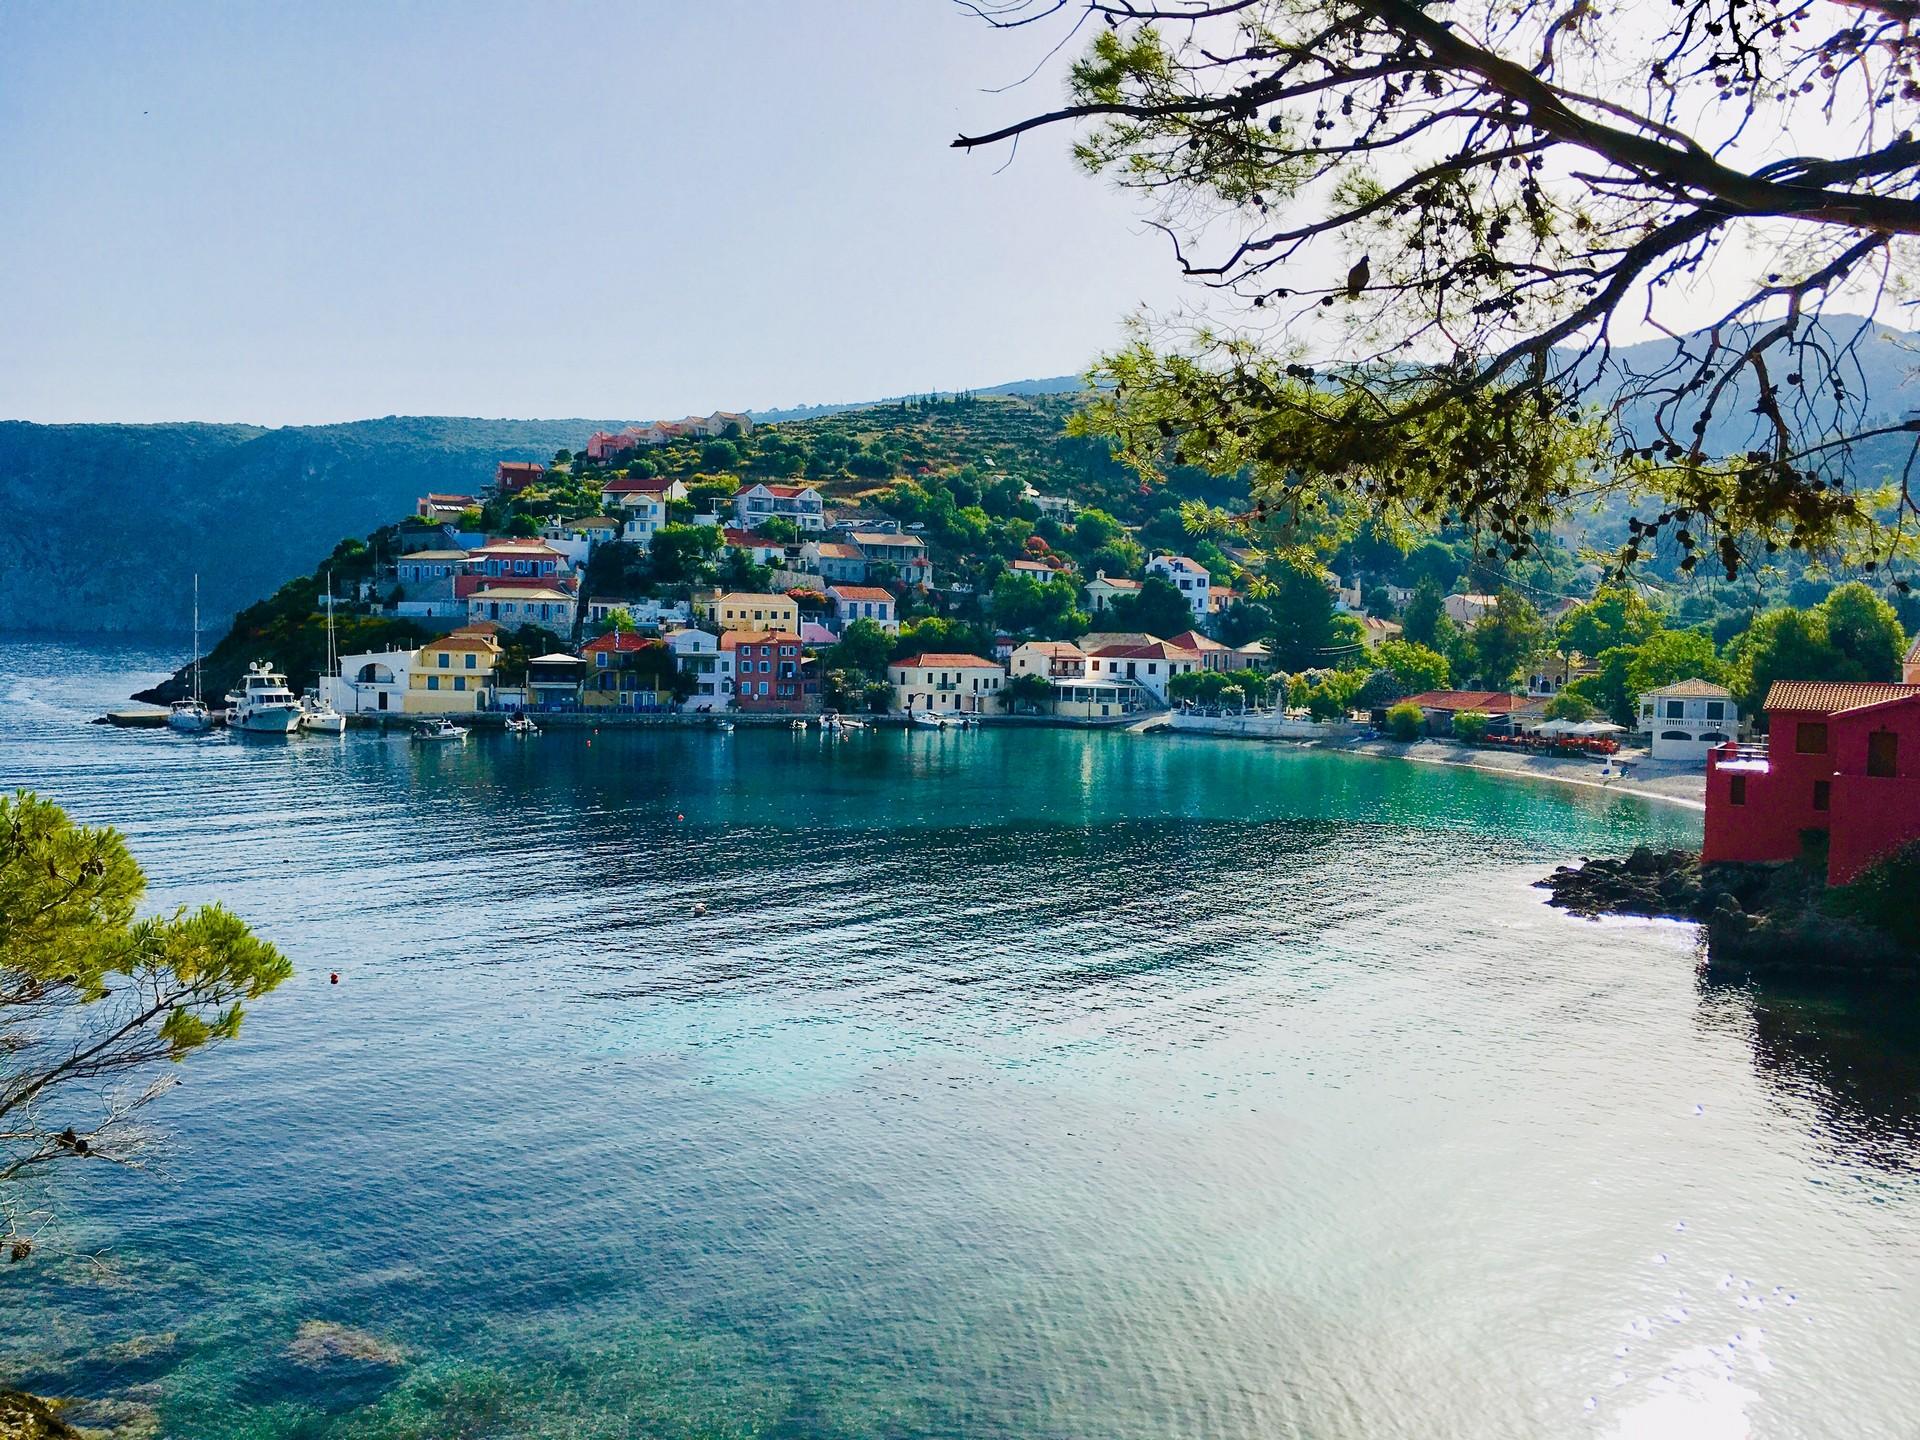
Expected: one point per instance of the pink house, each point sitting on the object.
(1843, 759)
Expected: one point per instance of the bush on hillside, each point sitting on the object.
(1404, 722)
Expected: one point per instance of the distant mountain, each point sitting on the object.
(106, 525)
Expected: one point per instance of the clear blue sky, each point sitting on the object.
(293, 213)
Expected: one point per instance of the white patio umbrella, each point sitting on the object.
(1596, 727)
(1555, 727)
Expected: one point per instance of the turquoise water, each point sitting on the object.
(1026, 1084)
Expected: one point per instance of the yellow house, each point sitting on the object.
(452, 675)
(739, 610)
(965, 684)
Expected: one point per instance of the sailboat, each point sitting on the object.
(191, 715)
(317, 712)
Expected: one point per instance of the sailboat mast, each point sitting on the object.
(196, 635)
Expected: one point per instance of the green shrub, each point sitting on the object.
(1404, 722)
(1470, 726)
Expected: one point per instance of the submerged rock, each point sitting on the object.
(28, 1417)
(320, 1343)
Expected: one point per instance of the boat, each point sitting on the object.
(438, 732)
(262, 704)
(926, 718)
(725, 727)
(316, 714)
(319, 716)
(799, 725)
(191, 715)
(521, 725)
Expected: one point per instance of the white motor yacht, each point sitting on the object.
(438, 732)
(262, 704)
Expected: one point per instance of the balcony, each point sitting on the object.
(1751, 759)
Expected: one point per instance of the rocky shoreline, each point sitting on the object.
(1758, 918)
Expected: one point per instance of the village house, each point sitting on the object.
(1468, 610)
(1187, 576)
(907, 554)
(1910, 667)
(627, 490)
(757, 548)
(626, 672)
(1553, 672)
(1049, 659)
(945, 683)
(1840, 758)
(1151, 666)
(517, 558)
(770, 672)
(1505, 713)
(708, 668)
(373, 683)
(429, 574)
(743, 610)
(1685, 720)
(553, 681)
(1213, 655)
(1102, 591)
(452, 675)
(799, 504)
(834, 561)
(1036, 569)
(510, 477)
(863, 602)
(515, 605)
(445, 509)
(1376, 632)
(587, 530)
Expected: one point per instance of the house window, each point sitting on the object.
(1737, 790)
(600, 659)
(1810, 738)
(1676, 709)
(472, 662)
(433, 682)
(459, 682)
(445, 661)
(1883, 754)
(1716, 709)
(1822, 794)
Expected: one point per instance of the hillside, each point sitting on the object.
(107, 524)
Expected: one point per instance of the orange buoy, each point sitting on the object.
(333, 977)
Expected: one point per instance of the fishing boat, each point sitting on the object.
(262, 704)
(522, 725)
(191, 715)
(317, 714)
(438, 732)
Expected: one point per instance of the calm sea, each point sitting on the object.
(1031, 1084)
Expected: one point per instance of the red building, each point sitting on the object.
(510, 477)
(769, 671)
(1841, 759)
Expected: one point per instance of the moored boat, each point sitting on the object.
(522, 725)
(438, 732)
(191, 715)
(927, 718)
(262, 704)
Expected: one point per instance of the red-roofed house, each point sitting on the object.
(762, 550)
(510, 477)
(1506, 711)
(628, 488)
(800, 504)
(1103, 590)
(1840, 758)
(1151, 666)
(863, 602)
(627, 672)
(947, 684)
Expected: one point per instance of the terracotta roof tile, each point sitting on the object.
(1828, 697)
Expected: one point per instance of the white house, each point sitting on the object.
(1078, 699)
(1687, 719)
(1049, 659)
(1151, 666)
(800, 504)
(863, 602)
(697, 655)
(369, 684)
(1189, 577)
(945, 683)
(644, 513)
(1467, 610)
(1102, 591)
